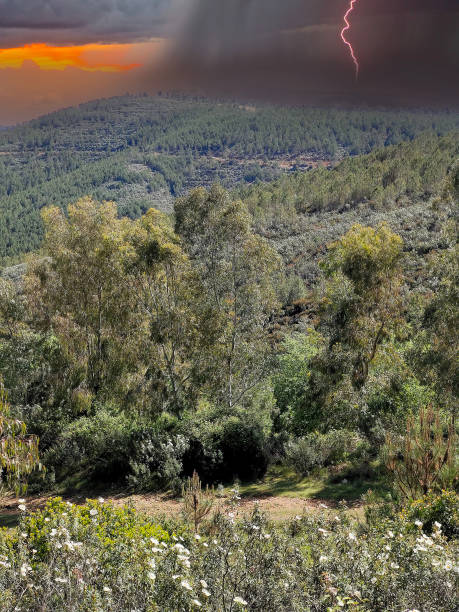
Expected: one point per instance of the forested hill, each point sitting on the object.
(413, 187)
(142, 151)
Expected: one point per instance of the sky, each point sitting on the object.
(56, 53)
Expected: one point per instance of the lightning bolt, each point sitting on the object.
(346, 28)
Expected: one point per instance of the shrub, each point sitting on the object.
(95, 448)
(318, 450)
(434, 508)
(426, 457)
(225, 447)
(157, 461)
(96, 557)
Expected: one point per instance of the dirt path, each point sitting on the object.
(154, 505)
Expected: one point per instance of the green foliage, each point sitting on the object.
(225, 445)
(291, 379)
(426, 457)
(317, 450)
(237, 269)
(441, 508)
(156, 461)
(96, 557)
(92, 449)
(18, 451)
(140, 151)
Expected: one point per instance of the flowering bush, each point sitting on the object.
(432, 508)
(96, 557)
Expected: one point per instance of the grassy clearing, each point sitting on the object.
(283, 482)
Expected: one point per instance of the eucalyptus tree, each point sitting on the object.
(237, 270)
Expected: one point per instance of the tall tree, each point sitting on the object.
(362, 294)
(79, 292)
(167, 294)
(237, 270)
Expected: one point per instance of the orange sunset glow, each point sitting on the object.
(92, 57)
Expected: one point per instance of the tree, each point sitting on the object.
(362, 294)
(166, 293)
(436, 351)
(360, 302)
(79, 291)
(237, 270)
(425, 458)
(18, 451)
(197, 504)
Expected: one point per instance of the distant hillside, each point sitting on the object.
(142, 151)
(414, 187)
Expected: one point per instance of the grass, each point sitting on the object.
(283, 482)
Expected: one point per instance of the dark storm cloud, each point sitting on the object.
(83, 21)
(291, 50)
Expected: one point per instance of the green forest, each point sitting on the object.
(143, 151)
(273, 328)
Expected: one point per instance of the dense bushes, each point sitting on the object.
(435, 509)
(92, 449)
(318, 450)
(96, 557)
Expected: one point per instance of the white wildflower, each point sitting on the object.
(390, 534)
(24, 569)
(22, 507)
(341, 603)
(21, 500)
(47, 519)
(176, 576)
(93, 511)
(24, 535)
(395, 566)
(186, 585)
(323, 506)
(203, 583)
(197, 536)
(61, 580)
(448, 566)
(322, 559)
(418, 523)
(154, 541)
(240, 601)
(151, 575)
(205, 592)
(107, 589)
(196, 603)
(101, 500)
(352, 536)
